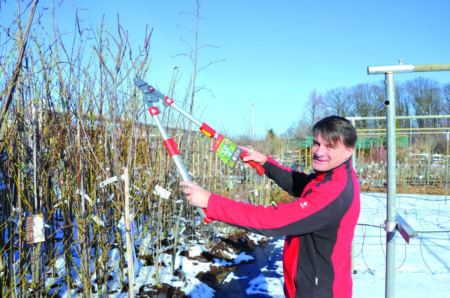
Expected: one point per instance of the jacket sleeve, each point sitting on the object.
(291, 181)
(317, 209)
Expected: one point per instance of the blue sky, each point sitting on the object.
(275, 53)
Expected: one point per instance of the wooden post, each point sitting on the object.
(300, 157)
(128, 235)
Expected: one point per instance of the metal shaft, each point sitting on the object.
(404, 68)
(391, 187)
(176, 158)
(186, 114)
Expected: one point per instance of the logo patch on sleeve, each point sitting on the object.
(304, 204)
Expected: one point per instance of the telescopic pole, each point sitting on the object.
(172, 149)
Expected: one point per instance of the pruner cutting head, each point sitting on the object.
(149, 91)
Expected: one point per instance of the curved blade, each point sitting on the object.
(150, 93)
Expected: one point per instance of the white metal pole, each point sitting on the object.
(391, 212)
(405, 68)
(391, 221)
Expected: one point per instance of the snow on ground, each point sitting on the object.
(423, 268)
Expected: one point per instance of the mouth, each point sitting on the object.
(319, 161)
(316, 157)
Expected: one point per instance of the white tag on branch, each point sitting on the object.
(84, 195)
(161, 192)
(108, 181)
(111, 180)
(35, 228)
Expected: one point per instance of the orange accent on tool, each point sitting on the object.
(171, 147)
(253, 164)
(207, 130)
(153, 111)
(168, 101)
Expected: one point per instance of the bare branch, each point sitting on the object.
(186, 28)
(208, 46)
(12, 83)
(209, 64)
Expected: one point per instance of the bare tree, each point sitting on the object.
(317, 107)
(402, 107)
(298, 129)
(424, 97)
(338, 102)
(193, 55)
(366, 99)
(446, 98)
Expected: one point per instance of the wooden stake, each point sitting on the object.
(128, 236)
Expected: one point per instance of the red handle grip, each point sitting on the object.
(253, 164)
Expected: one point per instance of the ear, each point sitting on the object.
(349, 151)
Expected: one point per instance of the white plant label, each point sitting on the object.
(161, 192)
(35, 228)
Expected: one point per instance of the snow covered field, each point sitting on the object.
(423, 268)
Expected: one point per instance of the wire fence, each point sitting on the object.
(428, 250)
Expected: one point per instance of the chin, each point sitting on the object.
(321, 167)
(318, 168)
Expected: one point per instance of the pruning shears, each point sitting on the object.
(222, 145)
(227, 150)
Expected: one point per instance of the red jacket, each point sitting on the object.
(318, 226)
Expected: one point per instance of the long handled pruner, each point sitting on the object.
(227, 150)
(173, 151)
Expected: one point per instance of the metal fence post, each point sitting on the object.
(391, 186)
(391, 221)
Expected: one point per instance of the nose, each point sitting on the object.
(319, 150)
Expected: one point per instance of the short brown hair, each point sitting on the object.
(332, 128)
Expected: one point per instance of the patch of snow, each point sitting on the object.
(243, 257)
(263, 285)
